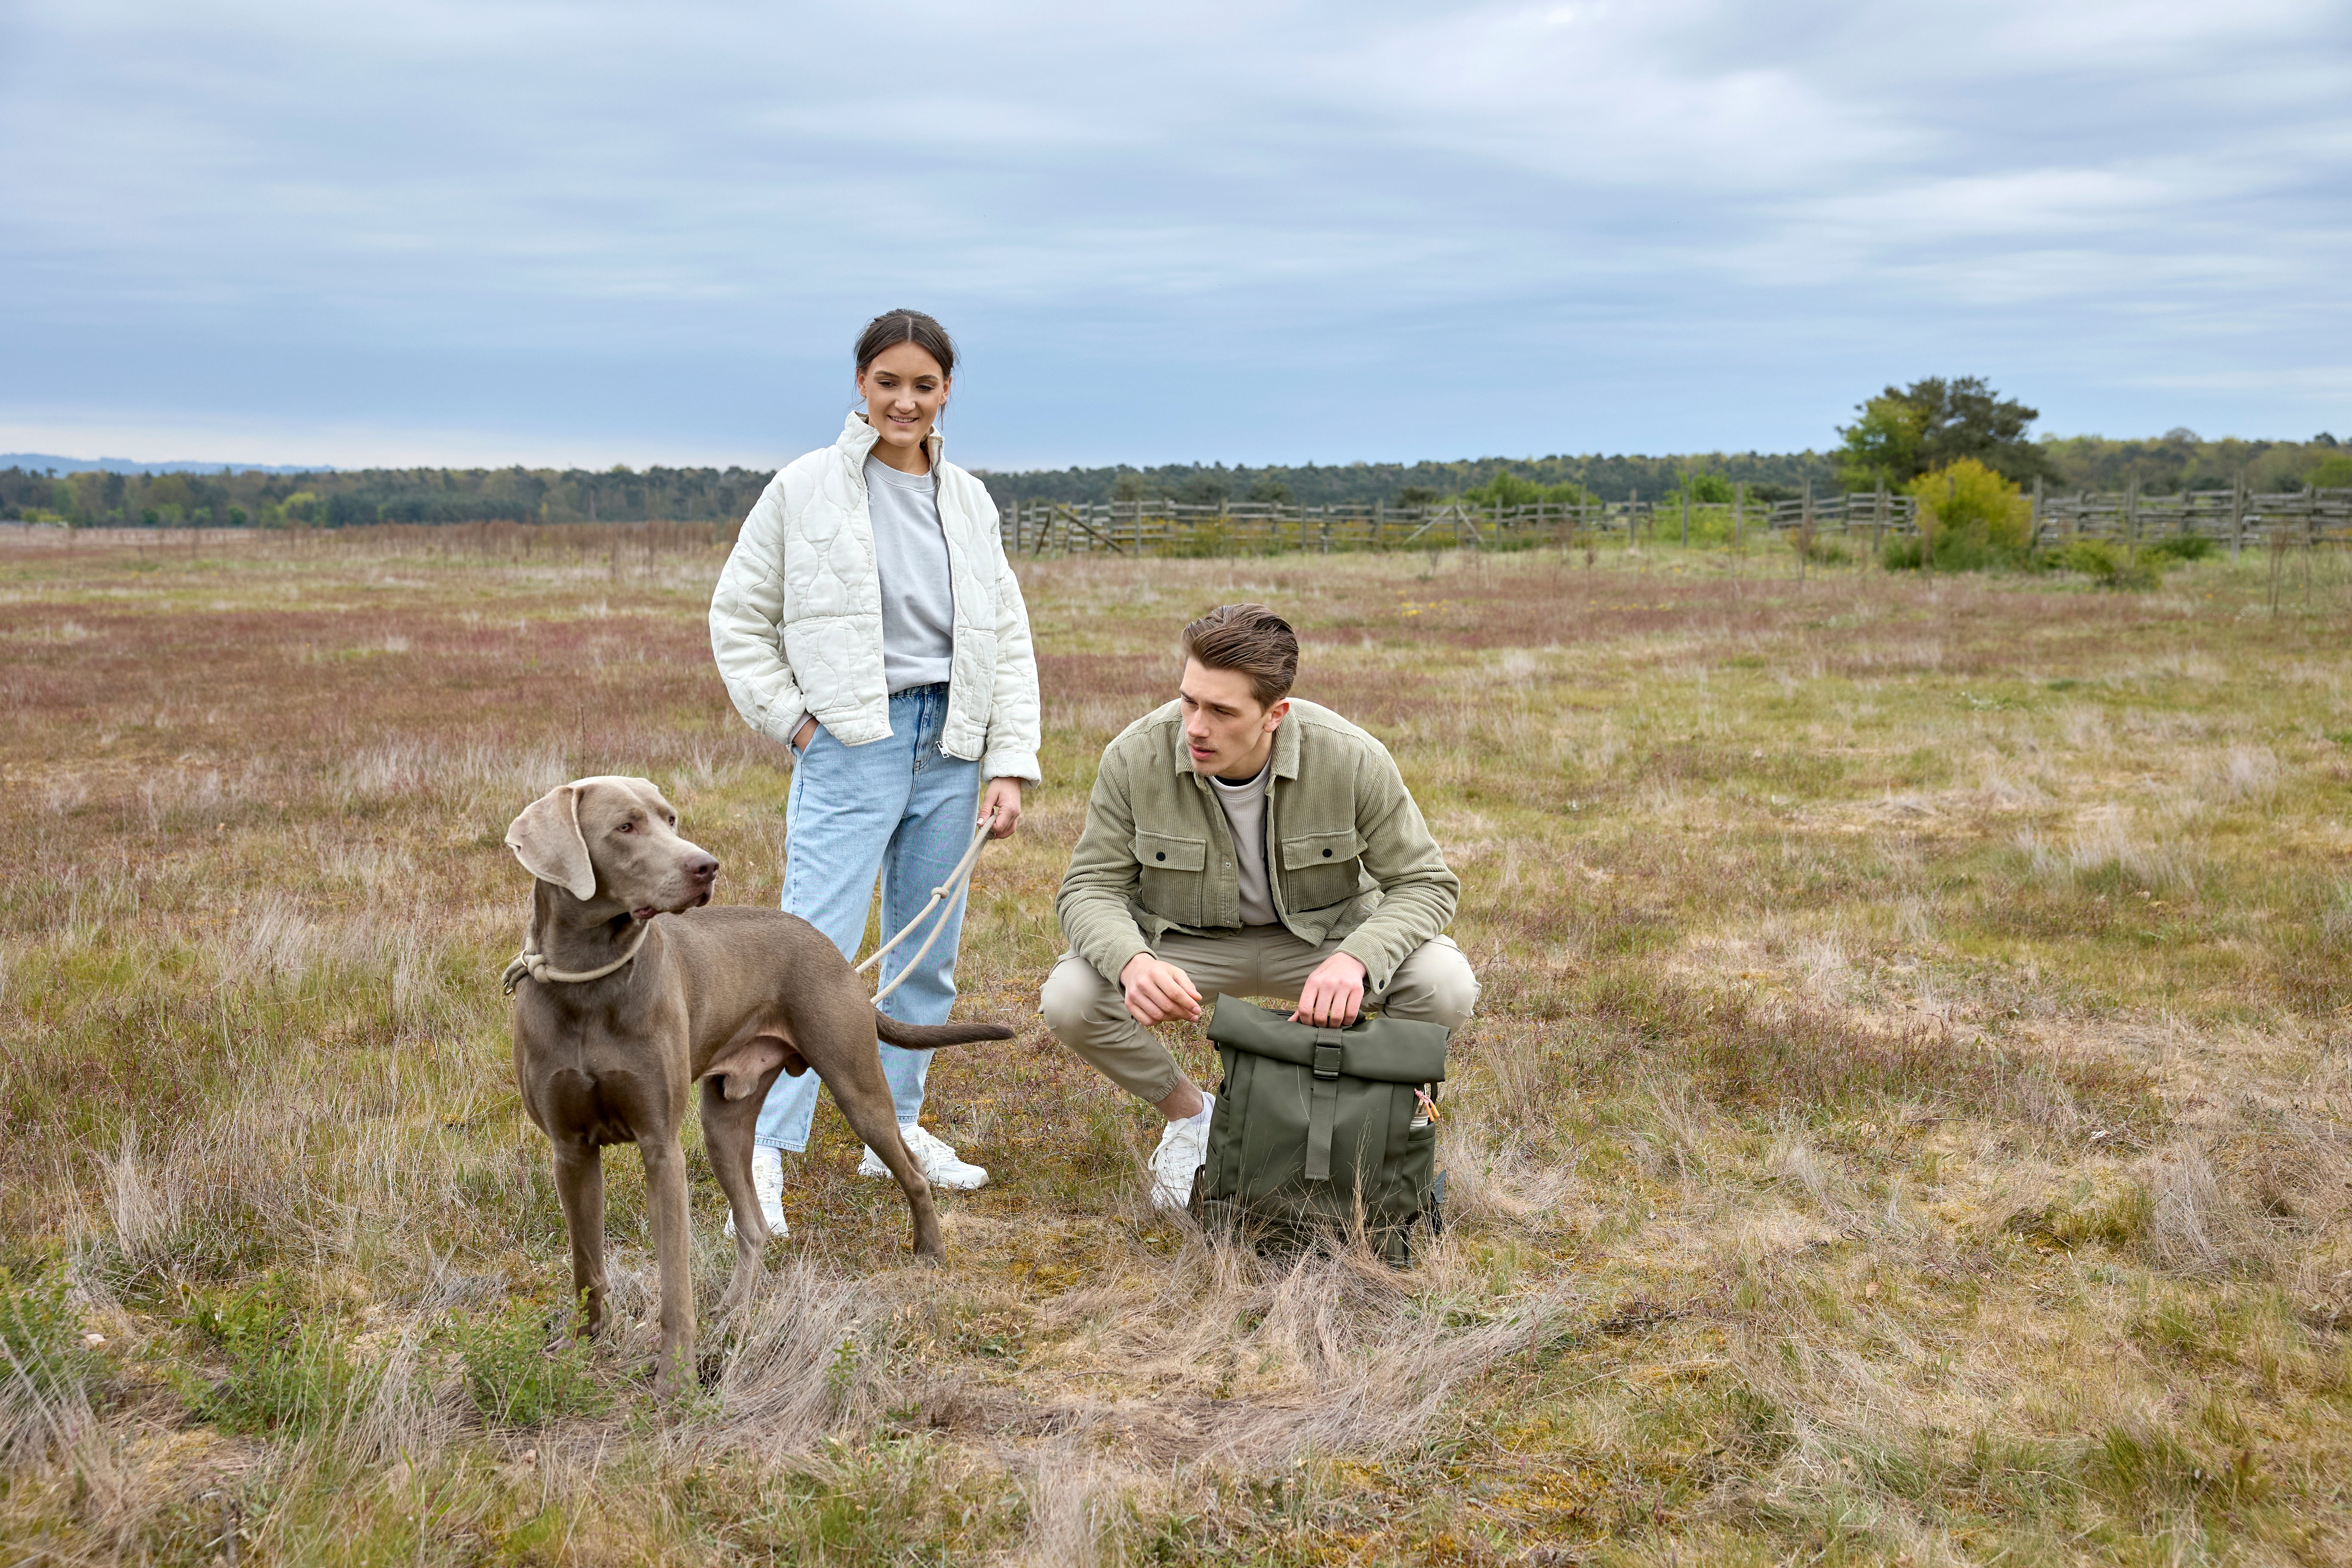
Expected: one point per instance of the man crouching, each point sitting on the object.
(1243, 842)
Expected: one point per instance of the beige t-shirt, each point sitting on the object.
(1244, 804)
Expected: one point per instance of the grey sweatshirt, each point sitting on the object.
(911, 555)
(1245, 806)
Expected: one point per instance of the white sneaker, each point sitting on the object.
(768, 1187)
(1184, 1150)
(939, 1165)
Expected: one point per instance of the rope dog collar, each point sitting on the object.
(533, 965)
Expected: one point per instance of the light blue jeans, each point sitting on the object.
(900, 809)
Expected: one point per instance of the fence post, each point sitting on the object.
(2237, 514)
(2131, 519)
(1686, 512)
(2034, 539)
(1805, 529)
(1739, 509)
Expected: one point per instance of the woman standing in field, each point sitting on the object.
(868, 620)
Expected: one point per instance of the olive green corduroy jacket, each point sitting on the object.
(1348, 854)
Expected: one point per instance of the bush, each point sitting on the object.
(286, 1373)
(1209, 539)
(516, 1377)
(1510, 489)
(1976, 519)
(2105, 564)
(2178, 547)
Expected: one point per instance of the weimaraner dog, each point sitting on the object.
(625, 1014)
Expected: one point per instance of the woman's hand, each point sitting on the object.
(1003, 797)
(804, 735)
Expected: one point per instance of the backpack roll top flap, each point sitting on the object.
(1383, 1051)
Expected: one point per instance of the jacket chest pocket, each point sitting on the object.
(1174, 884)
(1319, 869)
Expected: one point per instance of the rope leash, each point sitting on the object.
(958, 881)
(534, 966)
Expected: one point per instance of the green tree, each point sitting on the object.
(1900, 435)
(1507, 489)
(1202, 490)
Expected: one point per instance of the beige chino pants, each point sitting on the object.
(1088, 1014)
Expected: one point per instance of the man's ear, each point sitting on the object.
(1277, 714)
(546, 839)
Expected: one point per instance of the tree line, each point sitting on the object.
(344, 498)
(1620, 477)
(1895, 438)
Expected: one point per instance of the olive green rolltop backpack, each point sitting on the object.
(1318, 1130)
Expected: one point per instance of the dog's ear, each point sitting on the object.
(546, 839)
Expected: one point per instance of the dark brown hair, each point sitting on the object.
(891, 327)
(1252, 639)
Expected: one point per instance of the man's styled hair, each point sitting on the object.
(1252, 639)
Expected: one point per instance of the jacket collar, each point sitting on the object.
(1286, 747)
(858, 439)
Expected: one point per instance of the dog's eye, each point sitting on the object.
(627, 828)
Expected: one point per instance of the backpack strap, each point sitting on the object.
(1323, 1107)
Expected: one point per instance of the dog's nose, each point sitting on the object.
(703, 868)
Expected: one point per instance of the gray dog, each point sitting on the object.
(624, 1016)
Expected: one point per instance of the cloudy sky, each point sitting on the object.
(487, 231)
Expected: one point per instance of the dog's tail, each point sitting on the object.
(926, 1037)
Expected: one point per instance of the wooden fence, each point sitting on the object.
(2234, 518)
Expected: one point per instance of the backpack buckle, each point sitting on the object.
(1328, 1059)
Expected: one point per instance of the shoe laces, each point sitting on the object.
(924, 1145)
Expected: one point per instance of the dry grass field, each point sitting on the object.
(1910, 1118)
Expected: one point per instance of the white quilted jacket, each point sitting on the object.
(796, 619)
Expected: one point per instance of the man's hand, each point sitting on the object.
(1157, 992)
(1334, 994)
(1003, 797)
(804, 735)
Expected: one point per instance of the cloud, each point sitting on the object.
(1689, 223)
